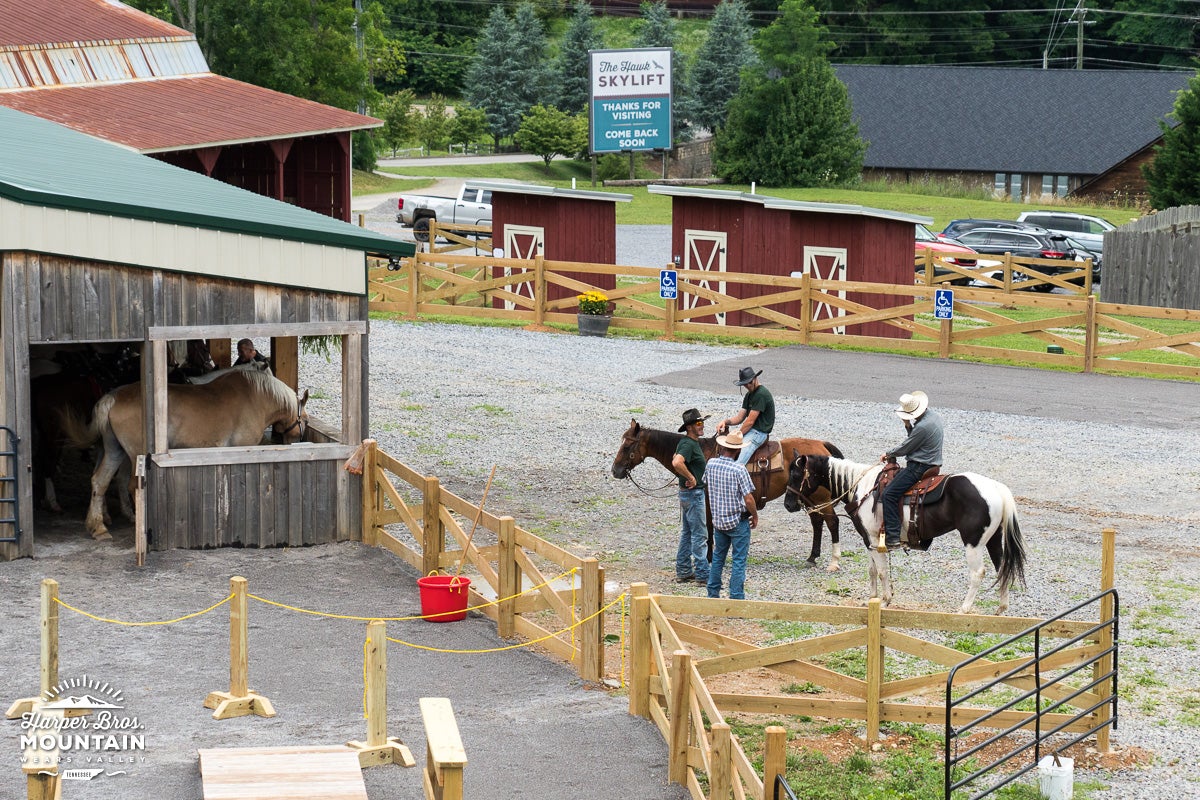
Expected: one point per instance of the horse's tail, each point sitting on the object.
(833, 449)
(1012, 554)
(81, 433)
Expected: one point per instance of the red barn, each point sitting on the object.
(529, 220)
(725, 231)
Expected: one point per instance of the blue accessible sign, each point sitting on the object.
(943, 304)
(630, 96)
(668, 287)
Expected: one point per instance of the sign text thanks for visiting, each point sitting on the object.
(630, 99)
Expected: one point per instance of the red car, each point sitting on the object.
(946, 250)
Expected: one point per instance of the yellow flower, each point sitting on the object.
(593, 302)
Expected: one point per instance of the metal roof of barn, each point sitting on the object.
(782, 204)
(50, 165)
(1007, 119)
(33, 23)
(548, 191)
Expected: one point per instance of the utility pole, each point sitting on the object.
(1079, 17)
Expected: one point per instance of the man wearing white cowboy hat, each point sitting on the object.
(923, 449)
(691, 559)
(731, 499)
(757, 416)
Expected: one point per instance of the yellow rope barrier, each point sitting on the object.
(517, 646)
(81, 612)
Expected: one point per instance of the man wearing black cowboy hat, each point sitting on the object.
(691, 559)
(757, 416)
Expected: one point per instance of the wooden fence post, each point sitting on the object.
(874, 667)
(378, 748)
(670, 310)
(414, 284)
(239, 701)
(1108, 564)
(774, 760)
(805, 307)
(591, 632)
(680, 710)
(539, 290)
(1008, 281)
(1091, 335)
(944, 335)
(508, 578)
(433, 535)
(721, 761)
(48, 655)
(370, 491)
(640, 651)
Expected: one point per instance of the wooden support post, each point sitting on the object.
(433, 535)
(539, 290)
(379, 748)
(41, 767)
(929, 266)
(944, 335)
(875, 655)
(720, 780)
(1091, 335)
(509, 580)
(139, 510)
(445, 757)
(285, 359)
(639, 651)
(1108, 565)
(221, 352)
(591, 632)
(1008, 276)
(670, 310)
(370, 491)
(680, 711)
(414, 284)
(774, 760)
(805, 307)
(239, 701)
(48, 657)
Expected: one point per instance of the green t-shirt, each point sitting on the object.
(760, 400)
(693, 457)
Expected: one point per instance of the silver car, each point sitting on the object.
(1088, 231)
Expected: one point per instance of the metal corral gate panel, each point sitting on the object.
(10, 496)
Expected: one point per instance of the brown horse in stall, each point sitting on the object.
(639, 443)
(232, 411)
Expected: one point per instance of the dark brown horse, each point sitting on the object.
(639, 443)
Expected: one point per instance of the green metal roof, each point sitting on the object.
(46, 164)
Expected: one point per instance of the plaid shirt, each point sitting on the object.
(728, 484)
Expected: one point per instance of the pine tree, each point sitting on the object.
(532, 80)
(790, 124)
(1173, 178)
(657, 29)
(491, 80)
(716, 72)
(572, 68)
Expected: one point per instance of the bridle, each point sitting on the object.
(830, 504)
(648, 492)
(299, 423)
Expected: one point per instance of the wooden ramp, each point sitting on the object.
(282, 773)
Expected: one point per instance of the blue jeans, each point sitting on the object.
(755, 439)
(739, 540)
(692, 556)
(905, 479)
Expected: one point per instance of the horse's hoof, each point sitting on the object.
(102, 535)
(833, 568)
(809, 562)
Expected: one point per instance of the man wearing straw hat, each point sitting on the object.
(923, 449)
(731, 496)
(691, 559)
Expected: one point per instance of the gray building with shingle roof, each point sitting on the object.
(1024, 132)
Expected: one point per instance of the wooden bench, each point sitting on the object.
(281, 773)
(444, 754)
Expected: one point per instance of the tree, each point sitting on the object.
(1173, 178)
(790, 124)
(548, 132)
(438, 39)
(491, 79)
(531, 78)
(716, 70)
(433, 127)
(573, 67)
(399, 119)
(657, 29)
(468, 125)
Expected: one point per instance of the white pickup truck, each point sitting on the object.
(473, 206)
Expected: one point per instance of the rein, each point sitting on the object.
(644, 490)
(830, 504)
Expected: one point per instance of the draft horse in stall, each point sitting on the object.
(639, 443)
(232, 411)
(980, 509)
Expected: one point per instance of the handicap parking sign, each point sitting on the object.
(667, 286)
(943, 304)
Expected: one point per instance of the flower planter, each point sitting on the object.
(594, 324)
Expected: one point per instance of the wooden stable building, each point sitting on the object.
(100, 245)
(530, 220)
(720, 231)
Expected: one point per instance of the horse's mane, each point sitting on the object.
(844, 473)
(268, 384)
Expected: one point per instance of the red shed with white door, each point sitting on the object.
(723, 231)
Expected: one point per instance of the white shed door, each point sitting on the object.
(705, 251)
(522, 241)
(829, 264)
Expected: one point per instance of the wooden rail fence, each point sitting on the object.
(410, 514)
(1092, 336)
(672, 659)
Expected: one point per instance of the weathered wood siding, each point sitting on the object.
(1155, 261)
(14, 396)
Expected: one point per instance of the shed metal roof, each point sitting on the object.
(1006, 119)
(46, 164)
(782, 204)
(548, 191)
(29, 22)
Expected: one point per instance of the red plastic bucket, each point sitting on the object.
(443, 597)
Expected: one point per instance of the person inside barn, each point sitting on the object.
(247, 353)
(923, 449)
(734, 513)
(757, 416)
(691, 559)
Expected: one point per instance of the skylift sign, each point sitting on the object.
(630, 100)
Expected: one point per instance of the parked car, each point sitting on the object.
(473, 206)
(957, 227)
(1031, 244)
(945, 249)
(1087, 230)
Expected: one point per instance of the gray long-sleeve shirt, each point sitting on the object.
(924, 442)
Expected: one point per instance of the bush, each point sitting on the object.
(364, 151)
